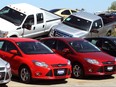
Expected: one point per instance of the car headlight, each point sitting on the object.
(92, 61)
(51, 32)
(69, 63)
(41, 64)
(115, 58)
(8, 66)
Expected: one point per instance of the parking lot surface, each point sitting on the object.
(95, 81)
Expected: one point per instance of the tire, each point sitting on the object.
(25, 74)
(108, 33)
(77, 71)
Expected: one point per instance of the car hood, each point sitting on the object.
(2, 63)
(99, 56)
(74, 32)
(48, 58)
(6, 25)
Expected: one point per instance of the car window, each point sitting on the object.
(30, 20)
(1, 44)
(39, 18)
(61, 45)
(34, 48)
(73, 11)
(66, 12)
(8, 46)
(83, 46)
(50, 43)
(107, 45)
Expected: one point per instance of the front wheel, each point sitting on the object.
(25, 75)
(77, 71)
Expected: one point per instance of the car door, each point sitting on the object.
(13, 59)
(29, 27)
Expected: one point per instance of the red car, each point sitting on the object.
(31, 59)
(85, 57)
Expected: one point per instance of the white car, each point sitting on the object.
(5, 72)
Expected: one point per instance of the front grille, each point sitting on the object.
(2, 68)
(109, 62)
(60, 72)
(2, 75)
(61, 34)
(58, 65)
(107, 69)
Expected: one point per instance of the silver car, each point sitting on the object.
(5, 72)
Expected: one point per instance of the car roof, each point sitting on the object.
(16, 39)
(67, 39)
(25, 8)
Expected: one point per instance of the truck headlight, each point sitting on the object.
(41, 64)
(3, 33)
(92, 61)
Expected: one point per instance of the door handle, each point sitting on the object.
(43, 26)
(33, 28)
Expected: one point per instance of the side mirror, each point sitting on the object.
(27, 26)
(94, 31)
(66, 50)
(13, 51)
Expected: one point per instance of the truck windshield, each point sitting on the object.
(12, 15)
(34, 48)
(78, 23)
(83, 46)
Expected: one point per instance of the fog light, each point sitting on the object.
(90, 70)
(38, 74)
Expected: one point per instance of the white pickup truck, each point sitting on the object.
(84, 24)
(25, 20)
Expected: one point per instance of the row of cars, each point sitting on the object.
(54, 58)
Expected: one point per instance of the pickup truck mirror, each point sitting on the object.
(27, 26)
(94, 31)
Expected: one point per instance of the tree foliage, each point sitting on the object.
(113, 6)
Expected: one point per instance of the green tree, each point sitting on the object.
(113, 6)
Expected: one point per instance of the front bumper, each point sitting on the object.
(52, 73)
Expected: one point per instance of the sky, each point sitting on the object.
(89, 5)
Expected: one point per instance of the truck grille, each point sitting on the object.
(61, 34)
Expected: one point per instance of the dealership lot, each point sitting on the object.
(71, 82)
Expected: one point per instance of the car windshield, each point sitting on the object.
(12, 15)
(83, 46)
(78, 23)
(34, 48)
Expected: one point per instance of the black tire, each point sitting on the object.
(25, 74)
(77, 71)
(108, 33)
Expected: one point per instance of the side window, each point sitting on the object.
(97, 24)
(61, 45)
(107, 45)
(73, 11)
(1, 45)
(50, 43)
(30, 20)
(8, 46)
(66, 12)
(39, 18)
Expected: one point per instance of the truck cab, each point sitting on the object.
(24, 20)
(81, 24)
